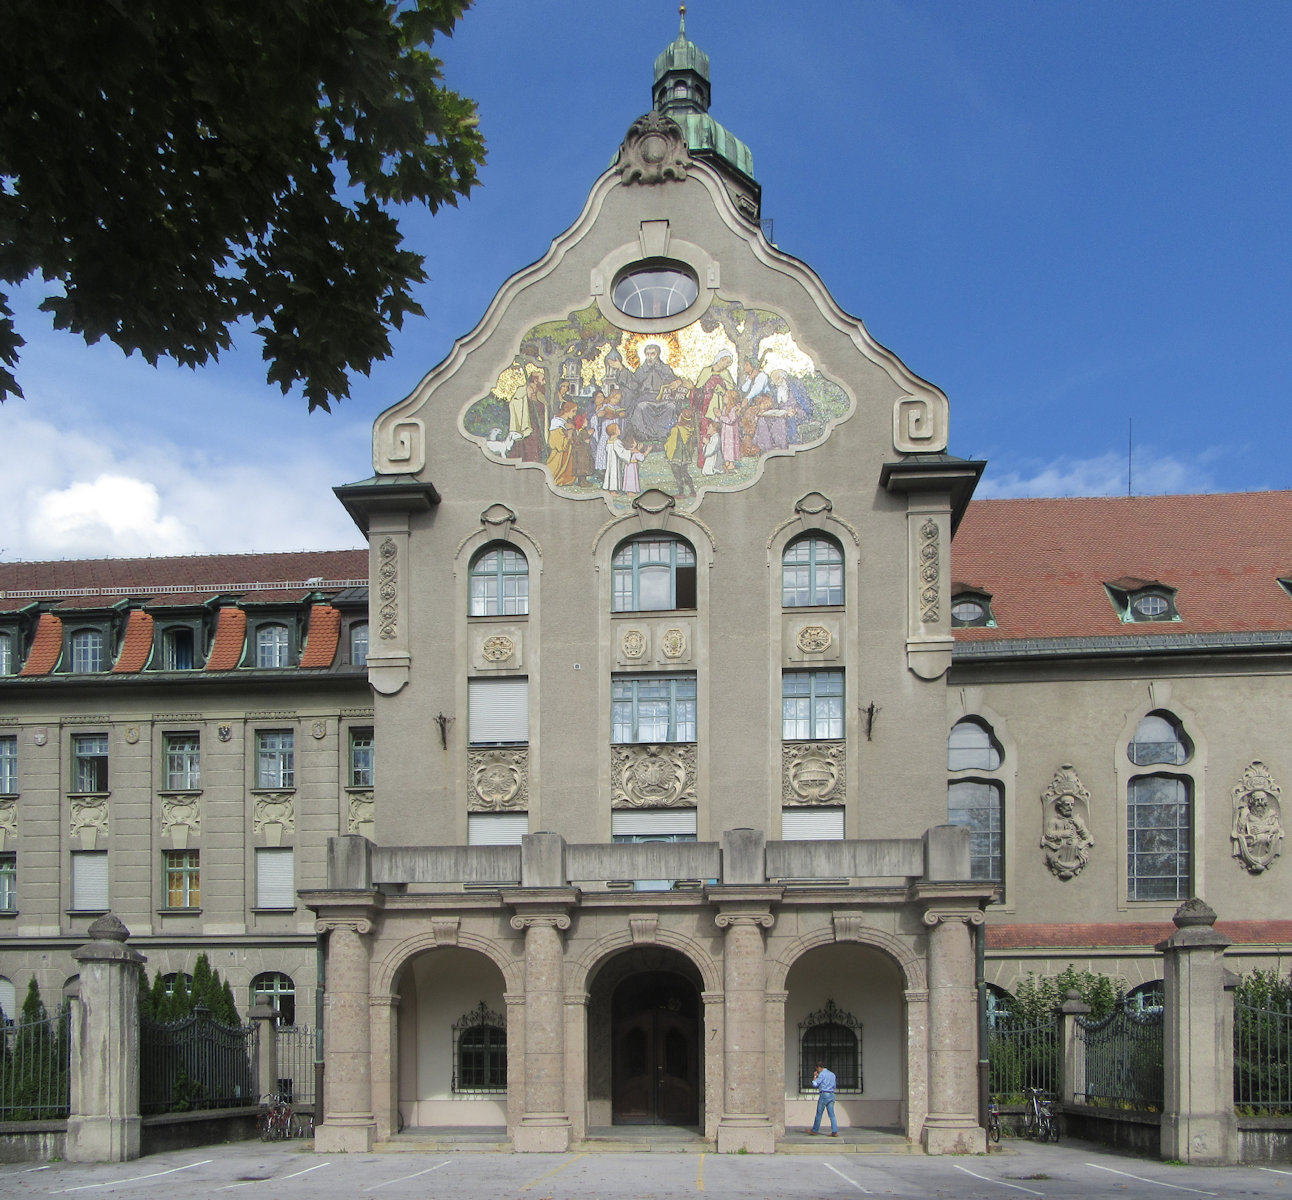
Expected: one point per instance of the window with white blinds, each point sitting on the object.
(812, 824)
(90, 880)
(275, 877)
(498, 711)
(496, 829)
(646, 823)
(8, 1000)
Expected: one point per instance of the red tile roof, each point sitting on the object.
(1045, 563)
(46, 646)
(230, 633)
(136, 645)
(324, 634)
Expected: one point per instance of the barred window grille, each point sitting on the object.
(480, 1052)
(831, 1036)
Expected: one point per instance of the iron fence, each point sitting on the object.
(1123, 1057)
(297, 1046)
(1022, 1056)
(195, 1062)
(1262, 1060)
(34, 1068)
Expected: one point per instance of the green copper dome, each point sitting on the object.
(682, 55)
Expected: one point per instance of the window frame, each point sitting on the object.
(994, 750)
(986, 618)
(843, 1057)
(8, 881)
(269, 885)
(168, 655)
(814, 566)
(273, 992)
(84, 769)
(487, 587)
(626, 576)
(279, 649)
(284, 755)
(87, 650)
(99, 885)
(823, 717)
(182, 880)
(995, 854)
(8, 764)
(497, 711)
(1183, 830)
(493, 1069)
(353, 640)
(182, 765)
(8, 652)
(681, 710)
(361, 775)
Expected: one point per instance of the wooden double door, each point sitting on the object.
(655, 1050)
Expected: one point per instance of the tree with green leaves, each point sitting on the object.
(170, 170)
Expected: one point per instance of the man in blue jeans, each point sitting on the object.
(824, 1081)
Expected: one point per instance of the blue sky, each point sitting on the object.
(1067, 215)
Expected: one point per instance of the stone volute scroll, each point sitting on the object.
(1257, 830)
(654, 150)
(1065, 824)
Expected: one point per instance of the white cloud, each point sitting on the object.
(1104, 475)
(111, 510)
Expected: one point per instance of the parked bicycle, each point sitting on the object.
(993, 1121)
(277, 1120)
(1039, 1118)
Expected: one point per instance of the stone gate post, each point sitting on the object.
(349, 1124)
(104, 1123)
(1072, 1081)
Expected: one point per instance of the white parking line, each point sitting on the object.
(1000, 1182)
(315, 1167)
(133, 1179)
(1274, 1170)
(841, 1175)
(1156, 1182)
(402, 1178)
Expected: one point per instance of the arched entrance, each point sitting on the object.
(645, 1040)
(655, 1050)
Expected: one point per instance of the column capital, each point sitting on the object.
(941, 916)
(739, 905)
(540, 907)
(359, 925)
(535, 920)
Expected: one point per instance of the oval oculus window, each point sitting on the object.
(1151, 605)
(658, 291)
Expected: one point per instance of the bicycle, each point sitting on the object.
(993, 1121)
(1039, 1119)
(276, 1120)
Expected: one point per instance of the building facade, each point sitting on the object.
(663, 741)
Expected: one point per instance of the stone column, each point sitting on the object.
(263, 1016)
(916, 1060)
(104, 1122)
(1199, 1125)
(951, 1126)
(545, 1127)
(1072, 1083)
(744, 1124)
(514, 1002)
(576, 1058)
(384, 1008)
(775, 1025)
(349, 1126)
(712, 1062)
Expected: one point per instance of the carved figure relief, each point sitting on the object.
(387, 592)
(654, 150)
(652, 776)
(614, 414)
(362, 815)
(89, 819)
(8, 820)
(812, 773)
(274, 814)
(930, 570)
(1257, 831)
(499, 780)
(180, 817)
(498, 648)
(814, 639)
(1065, 822)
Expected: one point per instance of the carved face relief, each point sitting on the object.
(609, 413)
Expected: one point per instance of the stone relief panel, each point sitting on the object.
(1065, 824)
(610, 413)
(89, 820)
(387, 589)
(8, 822)
(498, 780)
(498, 649)
(652, 776)
(813, 773)
(1257, 830)
(181, 817)
(654, 150)
(361, 816)
(930, 570)
(274, 814)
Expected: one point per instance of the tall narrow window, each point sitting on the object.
(183, 879)
(90, 880)
(177, 648)
(7, 655)
(359, 644)
(183, 762)
(652, 708)
(275, 877)
(812, 706)
(273, 644)
(1159, 813)
(979, 806)
(480, 1051)
(811, 572)
(499, 583)
(833, 1037)
(87, 650)
(275, 758)
(361, 758)
(652, 573)
(90, 762)
(8, 766)
(8, 882)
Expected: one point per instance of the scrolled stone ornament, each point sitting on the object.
(654, 150)
(540, 921)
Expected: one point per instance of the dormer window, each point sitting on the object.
(971, 610)
(1142, 600)
(1150, 607)
(87, 651)
(177, 648)
(8, 657)
(273, 646)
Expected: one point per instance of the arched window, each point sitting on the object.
(272, 646)
(499, 583)
(1147, 997)
(832, 1037)
(1159, 813)
(811, 572)
(651, 573)
(971, 746)
(87, 650)
(359, 644)
(480, 1051)
(278, 991)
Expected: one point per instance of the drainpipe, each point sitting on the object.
(980, 982)
(320, 975)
